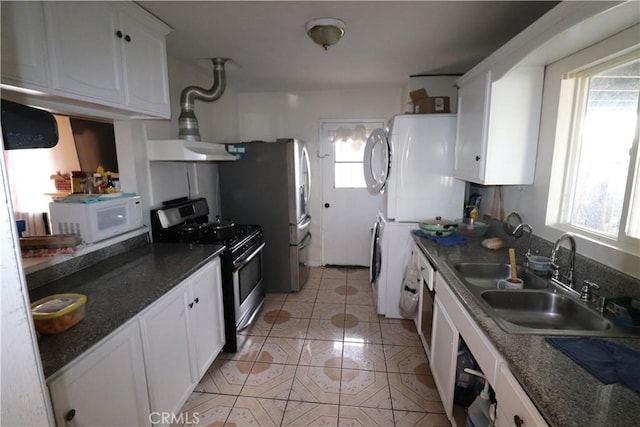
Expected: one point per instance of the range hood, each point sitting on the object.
(180, 150)
(189, 148)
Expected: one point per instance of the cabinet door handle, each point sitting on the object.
(477, 158)
(519, 422)
(127, 38)
(119, 34)
(69, 416)
(197, 300)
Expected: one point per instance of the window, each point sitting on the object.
(347, 143)
(601, 195)
(348, 159)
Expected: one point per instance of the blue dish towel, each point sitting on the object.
(450, 240)
(607, 361)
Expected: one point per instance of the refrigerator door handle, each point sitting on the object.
(304, 223)
(305, 242)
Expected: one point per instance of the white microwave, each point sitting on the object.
(99, 220)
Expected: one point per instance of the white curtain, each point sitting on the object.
(29, 180)
(30, 171)
(357, 134)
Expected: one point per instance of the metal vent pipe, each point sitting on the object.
(187, 122)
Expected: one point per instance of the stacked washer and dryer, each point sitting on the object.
(411, 165)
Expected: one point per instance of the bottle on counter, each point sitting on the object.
(79, 181)
(110, 187)
(98, 183)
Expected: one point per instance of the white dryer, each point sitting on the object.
(411, 165)
(390, 253)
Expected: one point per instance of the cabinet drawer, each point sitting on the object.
(483, 351)
(514, 403)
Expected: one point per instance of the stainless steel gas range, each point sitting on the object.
(187, 221)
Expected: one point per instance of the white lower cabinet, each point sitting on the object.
(452, 321)
(444, 352)
(514, 407)
(142, 373)
(167, 351)
(208, 323)
(107, 387)
(181, 335)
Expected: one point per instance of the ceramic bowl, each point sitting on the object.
(539, 264)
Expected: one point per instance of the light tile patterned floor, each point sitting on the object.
(321, 357)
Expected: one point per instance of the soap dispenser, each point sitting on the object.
(478, 412)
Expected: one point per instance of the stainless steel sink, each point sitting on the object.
(486, 275)
(544, 311)
(541, 308)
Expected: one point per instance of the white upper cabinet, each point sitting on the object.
(104, 54)
(500, 99)
(24, 52)
(86, 54)
(145, 66)
(498, 121)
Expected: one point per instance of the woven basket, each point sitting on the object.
(62, 184)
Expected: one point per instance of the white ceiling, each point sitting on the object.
(385, 41)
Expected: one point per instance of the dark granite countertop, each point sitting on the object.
(117, 289)
(564, 393)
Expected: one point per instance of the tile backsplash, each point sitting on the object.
(613, 283)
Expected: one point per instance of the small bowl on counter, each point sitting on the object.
(539, 264)
(472, 228)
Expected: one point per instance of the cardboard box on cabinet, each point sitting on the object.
(423, 103)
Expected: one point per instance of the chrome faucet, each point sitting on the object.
(555, 267)
(515, 235)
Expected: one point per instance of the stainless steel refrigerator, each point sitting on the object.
(269, 186)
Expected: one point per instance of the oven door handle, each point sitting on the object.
(248, 260)
(249, 321)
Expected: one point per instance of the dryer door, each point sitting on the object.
(376, 258)
(377, 161)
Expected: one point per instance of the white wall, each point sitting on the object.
(531, 200)
(268, 116)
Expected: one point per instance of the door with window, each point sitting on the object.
(349, 210)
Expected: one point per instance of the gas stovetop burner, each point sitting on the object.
(187, 221)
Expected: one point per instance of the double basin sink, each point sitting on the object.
(541, 307)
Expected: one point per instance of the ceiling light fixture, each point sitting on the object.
(325, 31)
